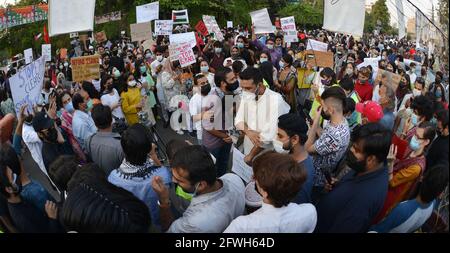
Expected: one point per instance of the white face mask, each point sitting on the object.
(66, 64)
(349, 71)
(417, 92)
(159, 58)
(281, 64)
(248, 95)
(132, 83)
(278, 147)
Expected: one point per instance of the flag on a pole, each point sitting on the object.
(46, 36)
(180, 17)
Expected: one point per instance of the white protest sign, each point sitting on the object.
(240, 168)
(337, 15)
(317, 46)
(26, 85)
(288, 27)
(28, 54)
(401, 19)
(369, 62)
(47, 52)
(163, 27)
(179, 38)
(229, 24)
(183, 53)
(67, 16)
(213, 27)
(261, 21)
(147, 12)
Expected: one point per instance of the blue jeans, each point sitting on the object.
(222, 154)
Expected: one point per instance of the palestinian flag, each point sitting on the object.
(180, 17)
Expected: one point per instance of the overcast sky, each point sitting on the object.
(424, 5)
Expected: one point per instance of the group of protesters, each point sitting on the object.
(346, 148)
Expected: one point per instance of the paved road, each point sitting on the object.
(36, 174)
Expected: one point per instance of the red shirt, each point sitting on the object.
(364, 91)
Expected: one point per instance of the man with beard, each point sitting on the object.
(353, 203)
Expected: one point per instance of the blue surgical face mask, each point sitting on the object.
(69, 107)
(438, 93)
(204, 69)
(143, 69)
(414, 144)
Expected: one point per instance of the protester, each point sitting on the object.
(278, 179)
(293, 128)
(139, 167)
(215, 201)
(259, 107)
(104, 147)
(82, 124)
(408, 216)
(330, 147)
(355, 200)
(404, 173)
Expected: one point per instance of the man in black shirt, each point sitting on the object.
(53, 142)
(438, 153)
(116, 60)
(26, 217)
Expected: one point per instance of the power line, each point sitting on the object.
(443, 34)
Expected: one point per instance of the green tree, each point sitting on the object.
(380, 13)
(305, 14)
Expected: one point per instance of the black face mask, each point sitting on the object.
(52, 135)
(232, 86)
(301, 48)
(325, 116)
(354, 164)
(205, 89)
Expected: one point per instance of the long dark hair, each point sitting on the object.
(90, 89)
(266, 69)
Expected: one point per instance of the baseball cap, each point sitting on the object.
(41, 121)
(371, 110)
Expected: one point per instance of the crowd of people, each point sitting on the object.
(331, 149)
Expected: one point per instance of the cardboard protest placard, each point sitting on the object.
(141, 31)
(85, 68)
(47, 52)
(100, 37)
(147, 12)
(261, 20)
(320, 59)
(201, 28)
(28, 54)
(183, 53)
(163, 27)
(213, 27)
(26, 85)
(388, 78)
(229, 24)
